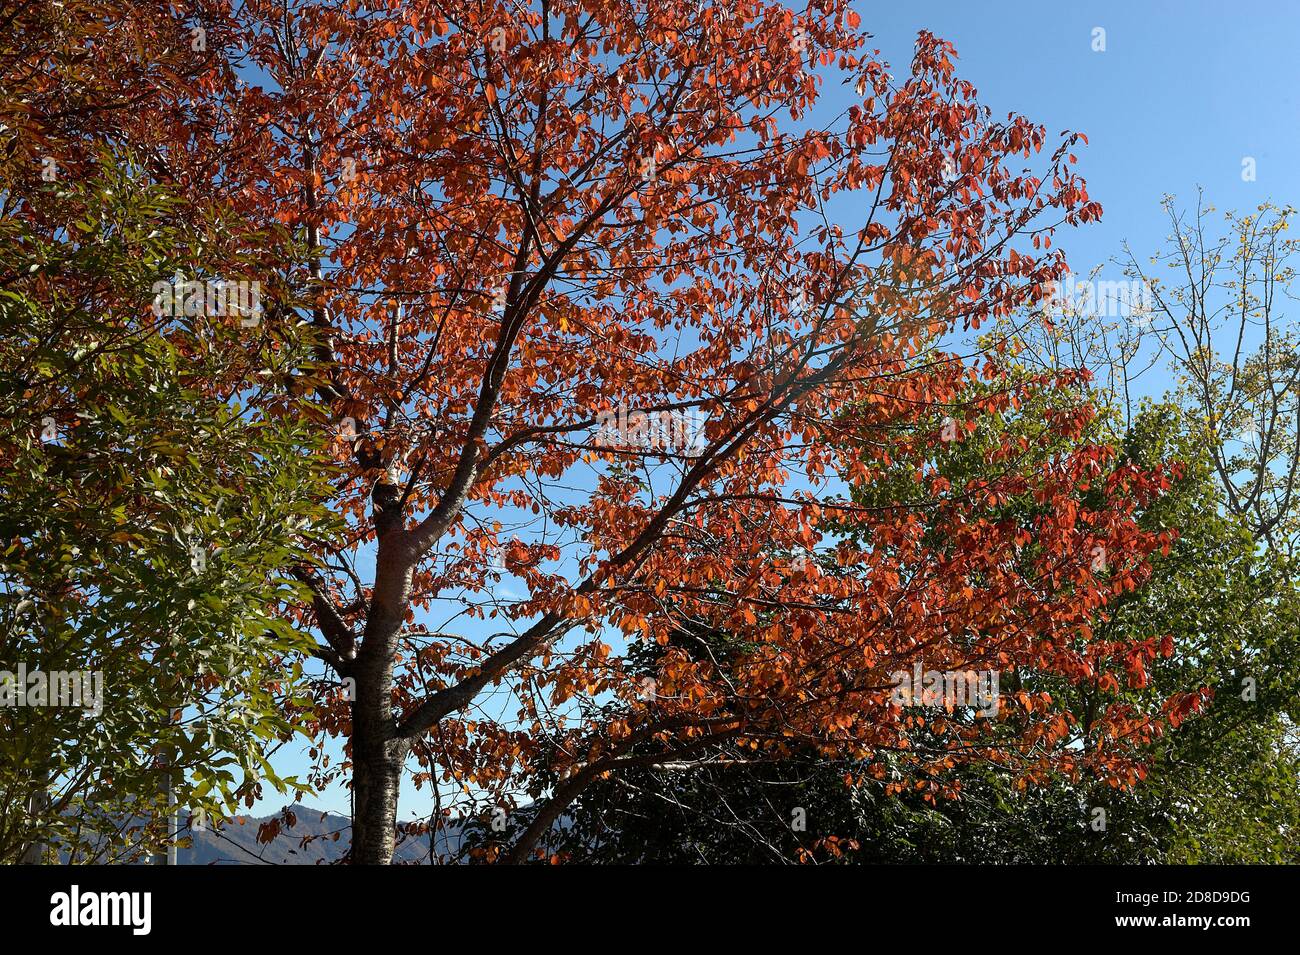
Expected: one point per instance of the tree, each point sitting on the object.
(532, 216)
(149, 525)
(1057, 553)
(1222, 321)
(1212, 307)
(163, 474)
(160, 480)
(1222, 786)
(81, 82)
(529, 219)
(1214, 785)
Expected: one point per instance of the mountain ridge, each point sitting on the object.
(317, 837)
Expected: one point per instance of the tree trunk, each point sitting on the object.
(376, 783)
(33, 853)
(377, 752)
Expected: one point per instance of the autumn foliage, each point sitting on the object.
(529, 214)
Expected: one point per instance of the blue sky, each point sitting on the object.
(1183, 92)
(1181, 95)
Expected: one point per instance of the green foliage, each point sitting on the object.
(158, 486)
(1224, 786)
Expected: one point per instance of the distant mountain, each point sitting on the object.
(316, 838)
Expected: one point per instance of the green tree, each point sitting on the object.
(160, 486)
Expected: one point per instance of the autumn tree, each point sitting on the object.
(1216, 784)
(534, 221)
(1053, 512)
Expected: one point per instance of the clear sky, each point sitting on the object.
(1182, 93)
